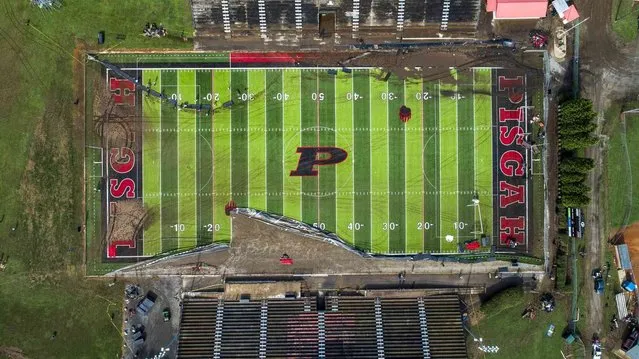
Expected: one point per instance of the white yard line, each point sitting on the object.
(370, 160)
(160, 150)
(405, 214)
(388, 174)
(177, 95)
(421, 145)
(439, 116)
(474, 157)
(299, 144)
(229, 88)
(353, 221)
(197, 209)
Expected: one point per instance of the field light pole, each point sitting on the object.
(476, 205)
(623, 114)
(475, 339)
(564, 32)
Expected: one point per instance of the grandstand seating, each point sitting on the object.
(349, 327)
(279, 17)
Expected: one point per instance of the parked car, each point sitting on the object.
(631, 340)
(551, 329)
(599, 285)
(596, 352)
(596, 349)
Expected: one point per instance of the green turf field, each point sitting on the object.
(404, 188)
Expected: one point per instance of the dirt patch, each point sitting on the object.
(261, 290)
(127, 219)
(113, 123)
(12, 353)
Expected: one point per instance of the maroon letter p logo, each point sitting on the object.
(309, 158)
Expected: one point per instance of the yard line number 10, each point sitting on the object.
(180, 227)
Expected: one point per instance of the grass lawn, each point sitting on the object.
(501, 325)
(620, 168)
(41, 153)
(624, 20)
(33, 307)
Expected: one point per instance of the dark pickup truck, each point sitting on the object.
(146, 304)
(631, 341)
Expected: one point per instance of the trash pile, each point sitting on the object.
(529, 313)
(153, 30)
(132, 291)
(547, 302)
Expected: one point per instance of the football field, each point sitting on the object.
(404, 187)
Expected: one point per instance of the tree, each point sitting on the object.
(575, 200)
(578, 110)
(574, 189)
(576, 164)
(571, 177)
(574, 143)
(578, 129)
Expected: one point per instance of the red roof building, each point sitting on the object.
(565, 12)
(517, 9)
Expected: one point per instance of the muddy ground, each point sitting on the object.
(257, 247)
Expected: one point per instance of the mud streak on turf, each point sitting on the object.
(431, 168)
(396, 173)
(239, 138)
(466, 159)
(309, 138)
(169, 183)
(327, 138)
(274, 141)
(362, 160)
(205, 161)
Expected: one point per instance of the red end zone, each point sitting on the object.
(513, 159)
(122, 168)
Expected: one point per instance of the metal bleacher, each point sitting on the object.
(197, 329)
(349, 327)
(402, 333)
(353, 18)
